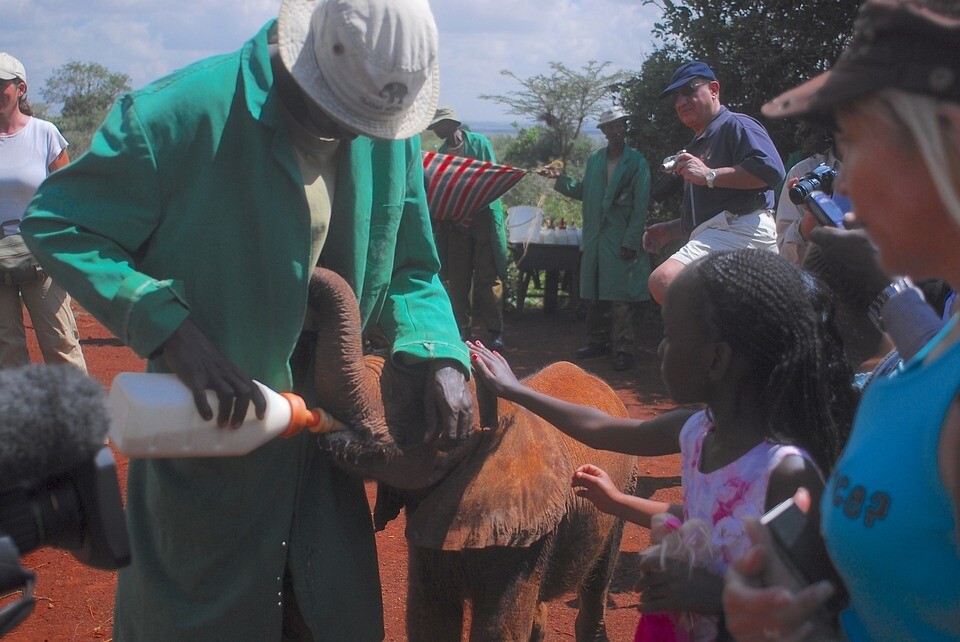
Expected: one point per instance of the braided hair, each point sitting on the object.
(782, 321)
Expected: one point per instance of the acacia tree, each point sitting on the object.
(86, 90)
(562, 100)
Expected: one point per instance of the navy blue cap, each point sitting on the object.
(687, 72)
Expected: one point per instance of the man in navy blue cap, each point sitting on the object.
(730, 170)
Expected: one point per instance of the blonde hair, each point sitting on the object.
(915, 118)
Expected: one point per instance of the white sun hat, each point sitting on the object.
(611, 116)
(371, 65)
(11, 68)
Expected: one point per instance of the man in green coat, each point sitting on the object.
(191, 229)
(614, 268)
(474, 258)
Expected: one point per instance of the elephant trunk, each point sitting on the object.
(383, 406)
(346, 387)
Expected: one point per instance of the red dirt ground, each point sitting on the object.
(75, 602)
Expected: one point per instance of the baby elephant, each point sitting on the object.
(492, 520)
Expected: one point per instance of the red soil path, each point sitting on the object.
(75, 602)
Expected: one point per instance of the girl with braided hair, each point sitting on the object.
(756, 340)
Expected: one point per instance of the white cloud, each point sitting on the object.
(149, 38)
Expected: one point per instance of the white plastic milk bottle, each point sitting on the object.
(154, 415)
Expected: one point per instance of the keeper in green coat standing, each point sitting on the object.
(614, 268)
(474, 258)
(191, 230)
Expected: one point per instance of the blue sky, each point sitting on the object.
(149, 38)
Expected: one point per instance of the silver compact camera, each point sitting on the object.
(669, 164)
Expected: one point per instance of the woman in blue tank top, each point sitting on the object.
(890, 511)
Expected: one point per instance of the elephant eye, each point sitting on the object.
(338, 49)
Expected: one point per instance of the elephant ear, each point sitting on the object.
(511, 492)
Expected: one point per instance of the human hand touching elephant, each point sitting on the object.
(448, 403)
(494, 370)
(594, 484)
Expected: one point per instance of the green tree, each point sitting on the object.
(86, 91)
(533, 147)
(562, 101)
(530, 148)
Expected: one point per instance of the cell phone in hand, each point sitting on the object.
(799, 539)
(786, 522)
(825, 209)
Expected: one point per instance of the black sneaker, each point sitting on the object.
(622, 361)
(592, 350)
(496, 341)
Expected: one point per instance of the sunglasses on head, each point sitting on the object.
(690, 88)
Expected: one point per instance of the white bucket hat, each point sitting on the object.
(371, 65)
(11, 68)
(611, 116)
(442, 114)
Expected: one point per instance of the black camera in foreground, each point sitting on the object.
(58, 481)
(815, 190)
(80, 512)
(819, 178)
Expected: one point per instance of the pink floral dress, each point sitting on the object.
(725, 496)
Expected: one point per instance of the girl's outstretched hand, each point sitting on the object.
(594, 484)
(493, 369)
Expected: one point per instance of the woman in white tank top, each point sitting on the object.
(30, 149)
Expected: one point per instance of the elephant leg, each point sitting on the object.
(506, 597)
(593, 590)
(539, 632)
(434, 605)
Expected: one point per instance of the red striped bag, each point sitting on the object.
(459, 187)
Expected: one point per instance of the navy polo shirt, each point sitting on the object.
(731, 140)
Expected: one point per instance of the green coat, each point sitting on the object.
(478, 146)
(614, 216)
(190, 202)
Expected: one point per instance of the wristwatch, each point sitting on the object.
(711, 176)
(898, 286)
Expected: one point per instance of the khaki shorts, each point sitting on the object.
(726, 231)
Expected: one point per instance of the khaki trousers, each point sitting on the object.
(471, 268)
(612, 321)
(53, 324)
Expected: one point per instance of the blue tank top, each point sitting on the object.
(887, 518)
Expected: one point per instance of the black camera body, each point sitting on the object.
(820, 178)
(815, 190)
(80, 511)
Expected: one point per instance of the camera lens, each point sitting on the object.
(801, 190)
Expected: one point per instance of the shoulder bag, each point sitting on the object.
(17, 264)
